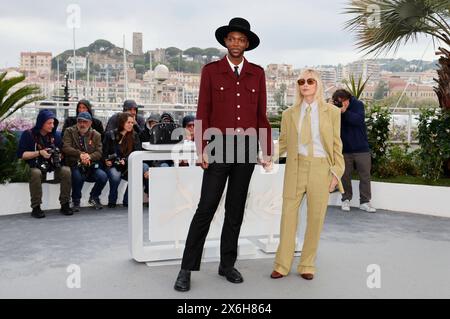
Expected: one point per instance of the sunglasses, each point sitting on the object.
(190, 125)
(310, 81)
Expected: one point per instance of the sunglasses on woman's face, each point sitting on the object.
(310, 81)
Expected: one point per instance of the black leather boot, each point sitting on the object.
(37, 212)
(183, 282)
(66, 210)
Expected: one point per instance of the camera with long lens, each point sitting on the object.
(54, 162)
(55, 157)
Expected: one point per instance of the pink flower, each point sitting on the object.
(16, 124)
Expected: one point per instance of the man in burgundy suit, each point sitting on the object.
(231, 118)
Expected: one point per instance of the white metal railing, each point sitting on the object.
(403, 124)
(102, 110)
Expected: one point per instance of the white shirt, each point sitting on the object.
(232, 65)
(318, 149)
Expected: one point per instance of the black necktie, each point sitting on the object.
(236, 72)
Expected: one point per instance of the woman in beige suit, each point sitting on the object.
(310, 134)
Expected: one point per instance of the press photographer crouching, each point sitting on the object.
(40, 148)
(83, 153)
(117, 146)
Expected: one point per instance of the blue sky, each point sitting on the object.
(297, 32)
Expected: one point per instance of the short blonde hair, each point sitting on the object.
(319, 96)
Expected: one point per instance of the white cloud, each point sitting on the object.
(296, 32)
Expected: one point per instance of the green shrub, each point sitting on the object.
(434, 140)
(377, 121)
(399, 161)
(11, 168)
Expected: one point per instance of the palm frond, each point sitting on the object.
(19, 106)
(356, 89)
(17, 96)
(384, 25)
(5, 85)
(11, 102)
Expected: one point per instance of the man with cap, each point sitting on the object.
(38, 147)
(131, 107)
(83, 153)
(232, 101)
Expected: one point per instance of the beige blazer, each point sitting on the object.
(330, 135)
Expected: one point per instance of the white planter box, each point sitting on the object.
(419, 199)
(15, 197)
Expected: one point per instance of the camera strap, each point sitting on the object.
(40, 142)
(82, 141)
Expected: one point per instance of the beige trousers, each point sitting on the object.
(314, 178)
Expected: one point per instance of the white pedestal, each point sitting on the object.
(211, 251)
(164, 252)
(270, 245)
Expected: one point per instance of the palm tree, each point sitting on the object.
(384, 25)
(10, 102)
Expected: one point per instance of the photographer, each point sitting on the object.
(188, 124)
(152, 120)
(355, 149)
(129, 106)
(117, 146)
(83, 153)
(84, 106)
(39, 147)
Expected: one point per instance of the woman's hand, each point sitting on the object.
(333, 184)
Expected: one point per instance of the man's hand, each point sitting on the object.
(45, 154)
(344, 108)
(85, 158)
(204, 163)
(345, 105)
(333, 184)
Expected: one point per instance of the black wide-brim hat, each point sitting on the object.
(240, 25)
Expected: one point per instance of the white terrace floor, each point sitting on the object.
(412, 251)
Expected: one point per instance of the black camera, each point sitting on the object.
(116, 161)
(86, 170)
(55, 157)
(54, 162)
(44, 165)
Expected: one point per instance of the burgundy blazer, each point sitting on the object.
(226, 101)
